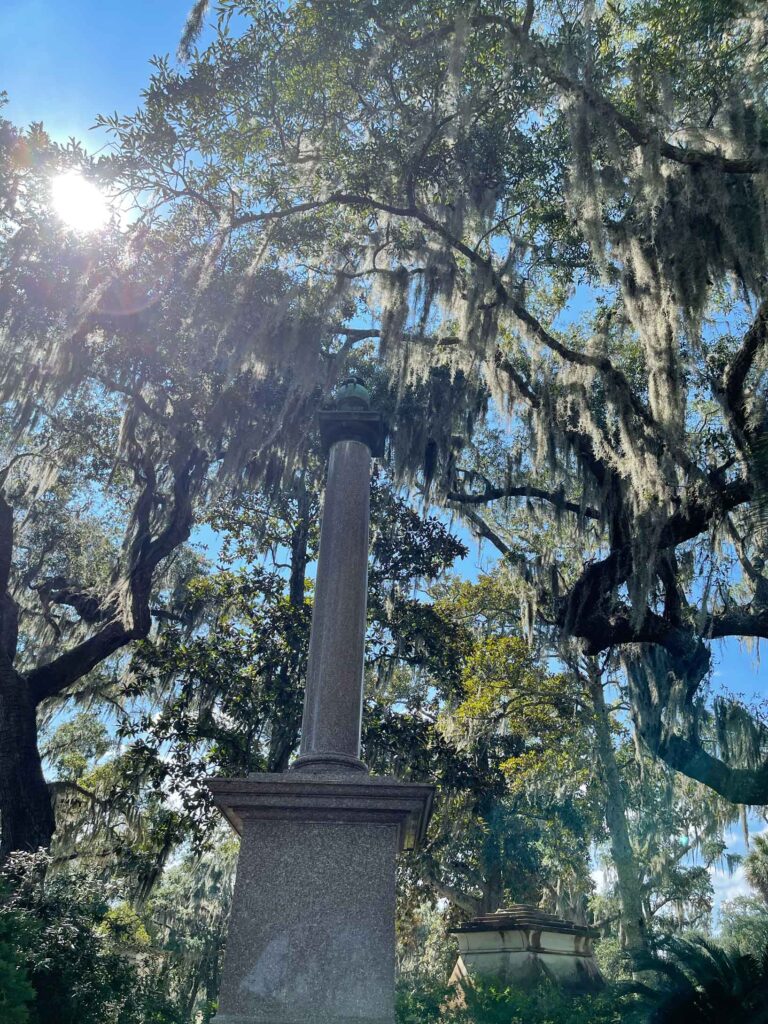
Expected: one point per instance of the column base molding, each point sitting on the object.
(328, 763)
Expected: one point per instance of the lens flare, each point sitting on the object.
(79, 202)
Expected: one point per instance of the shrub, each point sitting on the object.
(698, 980)
(418, 999)
(615, 965)
(494, 1002)
(16, 992)
(60, 934)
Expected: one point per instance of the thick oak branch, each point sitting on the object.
(738, 785)
(535, 493)
(133, 617)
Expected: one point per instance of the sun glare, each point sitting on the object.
(79, 202)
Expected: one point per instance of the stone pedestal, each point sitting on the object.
(312, 934)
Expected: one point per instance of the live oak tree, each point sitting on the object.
(561, 205)
(127, 400)
(547, 218)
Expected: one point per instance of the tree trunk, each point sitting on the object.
(493, 889)
(26, 814)
(288, 708)
(492, 861)
(633, 931)
(299, 551)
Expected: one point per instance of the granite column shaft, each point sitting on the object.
(334, 690)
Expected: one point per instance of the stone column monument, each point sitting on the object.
(312, 932)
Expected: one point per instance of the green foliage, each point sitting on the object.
(423, 1001)
(187, 917)
(756, 866)
(677, 829)
(76, 744)
(516, 830)
(698, 980)
(425, 949)
(124, 927)
(744, 925)
(497, 1003)
(614, 964)
(69, 949)
(16, 991)
(419, 999)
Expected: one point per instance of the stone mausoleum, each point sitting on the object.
(522, 944)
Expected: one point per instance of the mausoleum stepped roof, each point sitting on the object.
(523, 916)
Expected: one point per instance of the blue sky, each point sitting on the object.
(65, 62)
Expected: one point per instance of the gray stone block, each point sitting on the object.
(333, 700)
(312, 934)
(520, 944)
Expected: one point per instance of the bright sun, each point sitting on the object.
(79, 202)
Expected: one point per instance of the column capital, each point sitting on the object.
(349, 417)
(362, 425)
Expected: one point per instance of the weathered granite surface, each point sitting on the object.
(311, 939)
(333, 701)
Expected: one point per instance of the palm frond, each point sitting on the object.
(704, 982)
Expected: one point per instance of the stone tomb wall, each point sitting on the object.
(523, 944)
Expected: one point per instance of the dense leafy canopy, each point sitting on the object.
(539, 229)
(559, 205)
